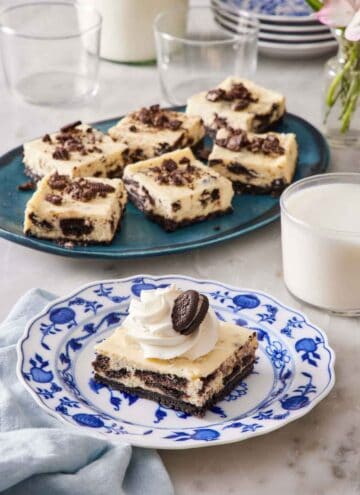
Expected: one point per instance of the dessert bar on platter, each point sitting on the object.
(255, 163)
(76, 210)
(171, 348)
(77, 150)
(154, 131)
(176, 189)
(150, 149)
(237, 103)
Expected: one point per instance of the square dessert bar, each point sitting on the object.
(255, 163)
(189, 386)
(75, 209)
(153, 131)
(237, 103)
(176, 189)
(77, 150)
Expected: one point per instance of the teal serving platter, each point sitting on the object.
(139, 236)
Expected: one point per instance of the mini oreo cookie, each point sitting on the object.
(189, 310)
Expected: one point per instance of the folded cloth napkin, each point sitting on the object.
(39, 455)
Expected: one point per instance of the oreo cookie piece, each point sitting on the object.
(70, 127)
(189, 311)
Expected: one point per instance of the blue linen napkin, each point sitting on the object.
(39, 455)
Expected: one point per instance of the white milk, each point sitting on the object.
(127, 29)
(321, 258)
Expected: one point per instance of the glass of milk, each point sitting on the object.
(127, 35)
(320, 234)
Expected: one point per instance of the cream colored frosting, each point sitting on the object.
(149, 323)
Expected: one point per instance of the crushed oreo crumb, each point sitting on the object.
(133, 128)
(175, 124)
(58, 182)
(95, 149)
(70, 127)
(157, 117)
(55, 199)
(27, 186)
(238, 93)
(215, 194)
(61, 154)
(133, 156)
(85, 190)
(169, 165)
(176, 206)
(79, 189)
(215, 94)
(76, 226)
(239, 169)
(73, 139)
(38, 222)
(237, 140)
(175, 174)
(219, 122)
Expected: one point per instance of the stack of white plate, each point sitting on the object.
(288, 28)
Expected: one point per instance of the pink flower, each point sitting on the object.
(342, 13)
(352, 32)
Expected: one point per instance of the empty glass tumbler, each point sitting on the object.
(50, 51)
(195, 52)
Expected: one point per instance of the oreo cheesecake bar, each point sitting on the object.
(255, 163)
(237, 103)
(172, 349)
(80, 210)
(77, 150)
(175, 189)
(154, 131)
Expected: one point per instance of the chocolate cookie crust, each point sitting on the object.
(177, 403)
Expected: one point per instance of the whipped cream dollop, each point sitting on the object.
(149, 322)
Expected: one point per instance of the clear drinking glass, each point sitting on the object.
(195, 53)
(320, 235)
(50, 51)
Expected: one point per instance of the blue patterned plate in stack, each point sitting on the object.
(288, 28)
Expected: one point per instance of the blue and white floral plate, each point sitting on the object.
(293, 372)
(275, 10)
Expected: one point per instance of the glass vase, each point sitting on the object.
(341, 112)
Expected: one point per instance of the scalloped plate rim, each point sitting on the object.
(175, 445)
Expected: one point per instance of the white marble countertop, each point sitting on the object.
(316, 455)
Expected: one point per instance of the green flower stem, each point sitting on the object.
(315, 4)
(350, 104)
(346, 84)
(331, 98)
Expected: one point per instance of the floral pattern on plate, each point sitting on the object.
(294, 368)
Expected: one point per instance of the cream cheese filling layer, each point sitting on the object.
(195, 391)
(125, 352)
